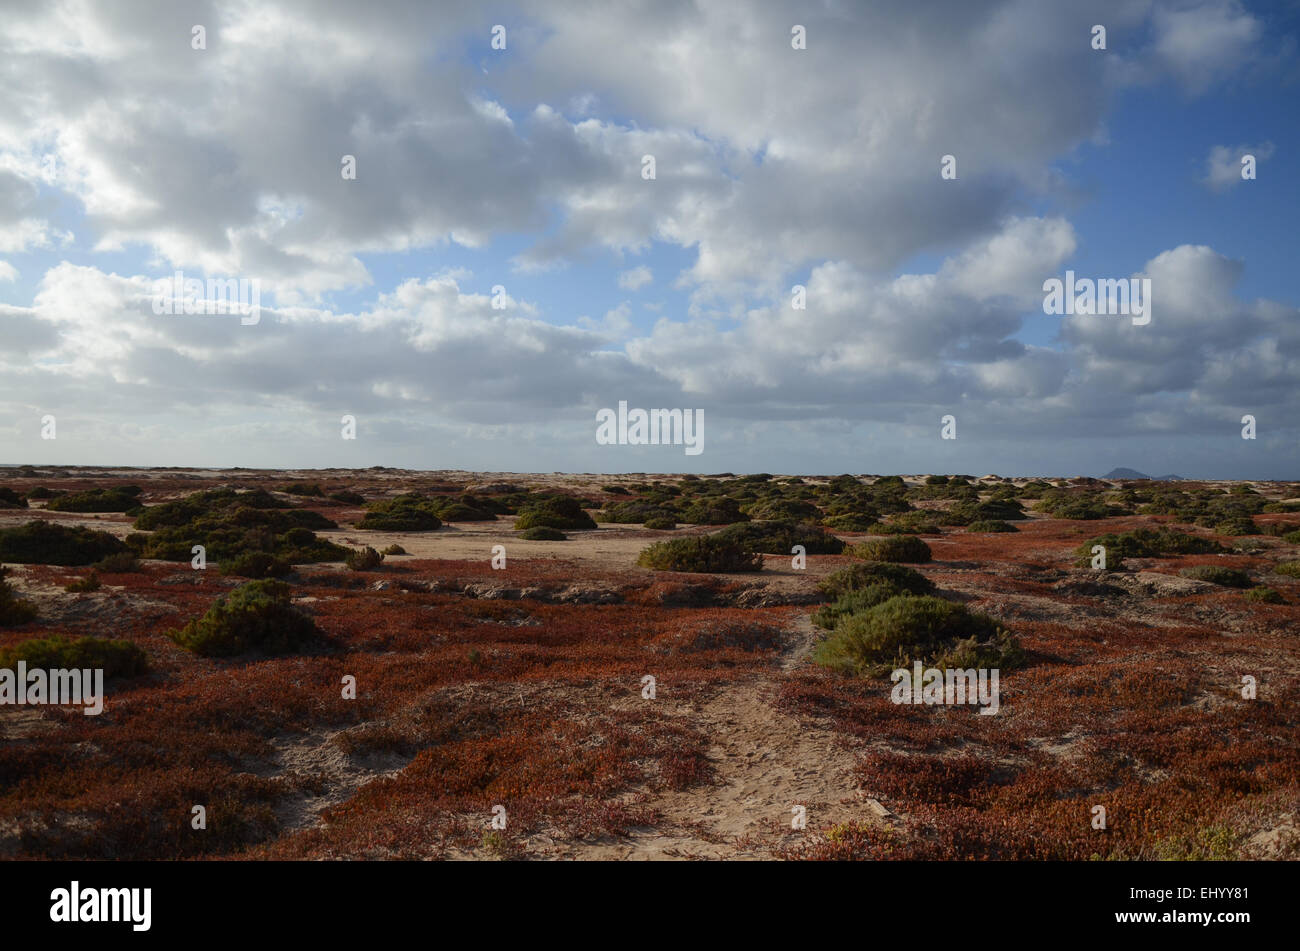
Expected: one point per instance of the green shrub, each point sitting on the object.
(363, 559)
(1148, 543)
(303, 488)
(991, 527)
(784, 510)
(1215, 574)
(857, 577)
(1265, 594)
(9, 499)
(637, 511)
(117, 658)
(89, 583)
(907, 628)
(13, 610)
(1289, 568)
(615, 490)
(256, 564)
(660, 524)
(705, 553)
(409, 512)
(850, 523)
(49, 543)
(557, 511)
(904, 548)
(778, 538)
(395, 550)
(348, 497)
(453, 511)
(255, 616)
(97, 500)
(860, 599)
(122, 563)
(1241, 525)
(42, 492)
(908, 523)
(543, 534)
(716, 511)
(1063, 503)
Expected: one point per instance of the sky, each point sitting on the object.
(501, 267)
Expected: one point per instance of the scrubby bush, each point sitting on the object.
(828, 615)
(615, 490)
(778, 538)
(122, 499)
(857, 577)
(908, 523)
(1148, 543)
(850, 523)
(117, 658)
(49, 543)
(543, 534)
(395, 550)
(255, 564)
(713, 511)
(705, 553)
(1241, 525)
(9, 499)
(226, 527)
(348, 497)
(303, 488)
(557, 511)
(904, 548)
(82, 585)
(1265, 595)
(255, 616)
(454, 511)
(990, 526)
(363, 559)
(1288, 568)
(1216, 574)
(907, 628)
(637, 511)
(409, 512)
(660, 524)
(123, 563)
(780, 509)
(1064, 503)
(42, 492)
(13, 610)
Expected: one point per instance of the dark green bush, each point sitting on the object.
(1265, 595)
(1289, 568)
(904, 548)
(1241, 525)
(348, 497)
(543, 534)
(558, 511)
(784, 510)
(1215, 574)
(637, 512)
(660, 524)
(719, 511)
(49, 543)
(1148, 543)
(704, 553)
(42, 492)
(857, 577)
(395, 550)
(97, 500)
(908, 628)
(256, 564)
(990, 526)
(117, 658)
(13, 610)
(363, 559)
(850, 523)
(778, 538)
(122, 563)
(860, 599)
(908, 523)
(409, 512)
(89, 583)
(255, 616)
(303, 488)
(9, 499)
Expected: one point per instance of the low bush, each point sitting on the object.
(9, 499)
(123, 499)
(49, 543)
(660, 524)
(719, 511)
(363, 559)
(255, 616)
(256, 564)
(908, 523)
(907, 628)
(42, 492)
(784, 510)
(637, 511)
(13, 610)
(857, 577)
(990, 526)
(1148, 543)
(122, 563)
(705, 553)
(1215, 574)
(348, 497)
(778, 538)
(117, 658)
(1289, 568)
(395, 550)
(558, 511)
(409, 512)
(850, 523)
(543, 534)
(900, 548)
(1265, 595)
(81, 585)
(1241, 525)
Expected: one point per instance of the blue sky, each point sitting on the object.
(776, 166)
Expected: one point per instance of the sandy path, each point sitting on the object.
(765, 762)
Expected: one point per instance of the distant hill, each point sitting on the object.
(1123, 473)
